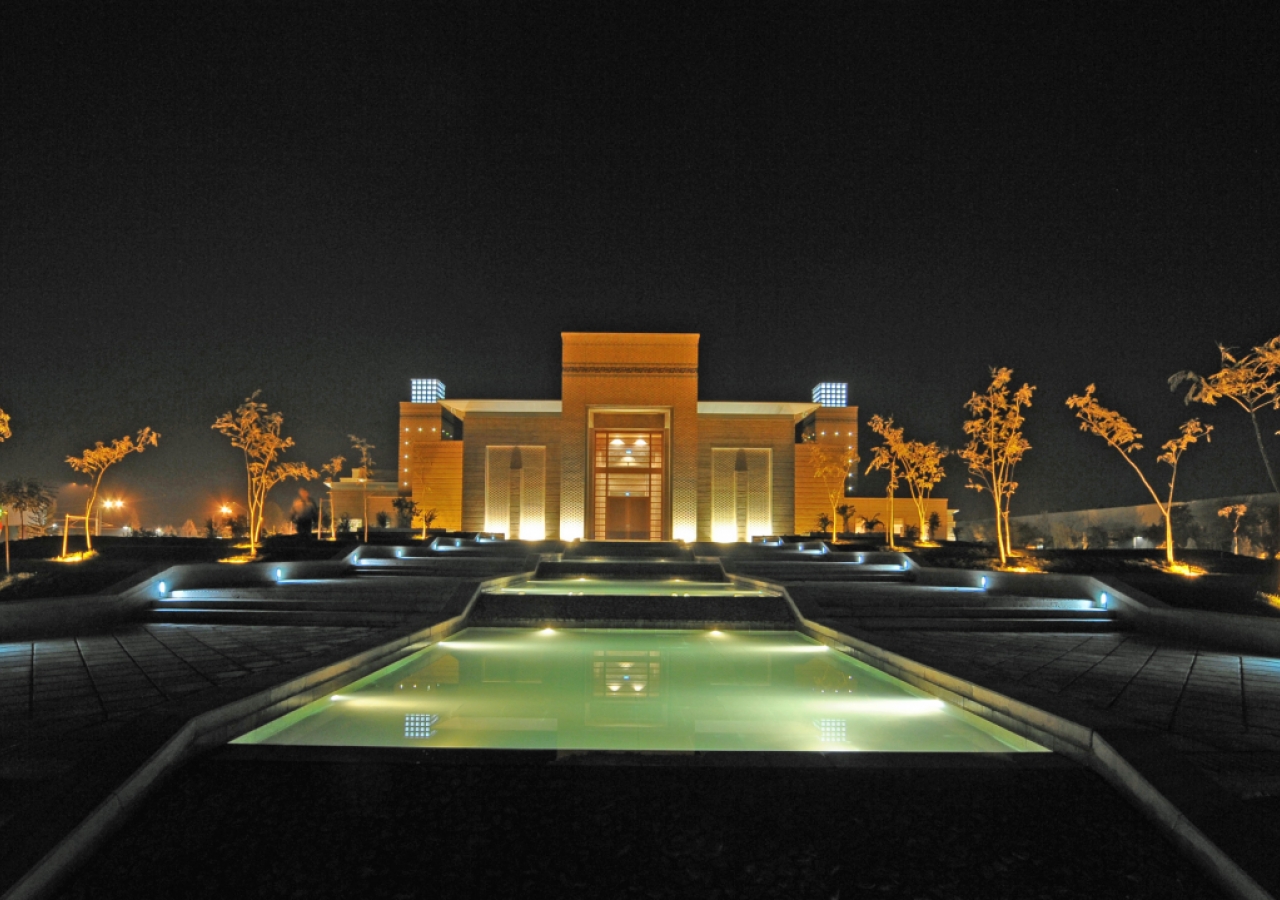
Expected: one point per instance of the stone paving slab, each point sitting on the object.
(79, 714)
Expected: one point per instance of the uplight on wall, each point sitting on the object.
(725, 534)
(571, 527)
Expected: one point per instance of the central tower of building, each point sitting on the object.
(629, 438)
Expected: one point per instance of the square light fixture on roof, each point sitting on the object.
(831, 393)
(426, 390)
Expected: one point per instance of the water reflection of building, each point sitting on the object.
(626, 674)
(629, 451)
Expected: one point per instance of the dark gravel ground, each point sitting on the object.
(524, 826)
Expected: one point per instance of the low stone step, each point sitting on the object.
(345, 619)
(855, 601)
(400, 606)
(968, 612)
(1091, 625)
(821, 572)
(486, 567)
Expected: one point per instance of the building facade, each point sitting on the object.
(628, 452)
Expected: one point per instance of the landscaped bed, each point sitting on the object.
(1225, 583)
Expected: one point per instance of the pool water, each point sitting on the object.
(635, 690)
(633, 587)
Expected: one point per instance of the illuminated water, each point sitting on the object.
(633, 587)
(635, 690)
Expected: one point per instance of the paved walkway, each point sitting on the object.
(76, 681)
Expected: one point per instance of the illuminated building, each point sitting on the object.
(628, 452)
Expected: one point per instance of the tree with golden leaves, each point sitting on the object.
(832, 464)
(255, 430)
(1115, 429)
(996, 446)
(4, 425)
(361, 446)
(885, 457)
(919, 465)
(96, 460)
(922, 470)
(1251, 382)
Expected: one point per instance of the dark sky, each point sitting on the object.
(324, 201)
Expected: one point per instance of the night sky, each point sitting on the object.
(326, 200)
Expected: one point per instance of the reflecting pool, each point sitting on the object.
(592, 689)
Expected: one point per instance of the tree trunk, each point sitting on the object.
(889, 525)
(1266, 461)
(1000, 546)
(1168, 534)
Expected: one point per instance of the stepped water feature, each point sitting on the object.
(921, 607)
(602, 585)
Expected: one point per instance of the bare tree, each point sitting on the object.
(255, 430)
(95, 462)
(996, 446)
(1115, 429)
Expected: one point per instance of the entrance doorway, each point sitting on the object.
(628, 484)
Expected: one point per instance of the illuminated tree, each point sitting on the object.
(95, 462)
(832, 464)
(918, 463)
(1251, 382)
(24, 496)
(5, 432)
(996, 446)
(428, 517)
(255, 430)
(1115, 429)
(885, 458)
(331, 470)
(406, 508)
(1236, 513)
(366, 464)
(846, 511)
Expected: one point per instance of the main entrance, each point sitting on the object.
(627, 481)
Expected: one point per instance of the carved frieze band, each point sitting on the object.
(648, 369)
